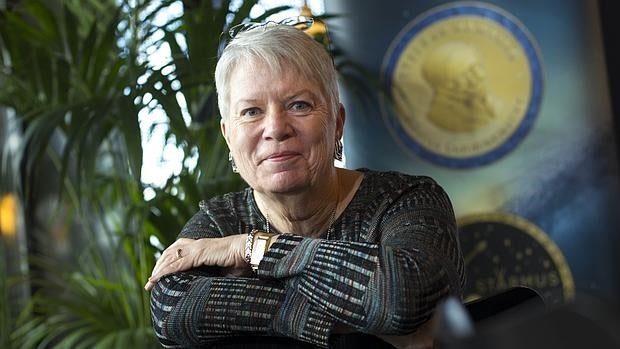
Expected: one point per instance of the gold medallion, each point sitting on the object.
(465, 87)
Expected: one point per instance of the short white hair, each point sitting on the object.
(278, 47)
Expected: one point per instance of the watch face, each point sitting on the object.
(465, 84)
(503, 250)
(258, 251)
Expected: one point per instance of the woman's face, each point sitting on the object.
(279, 129)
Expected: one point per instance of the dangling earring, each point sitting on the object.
(338, 150)
(232, 163)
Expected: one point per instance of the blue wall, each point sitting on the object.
(562, 176)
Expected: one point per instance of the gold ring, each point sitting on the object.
(180, 253)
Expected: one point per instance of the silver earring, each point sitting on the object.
(232, 163)
(338, 150)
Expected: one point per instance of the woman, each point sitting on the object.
(308, 250)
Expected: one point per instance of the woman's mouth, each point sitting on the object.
(281, 156)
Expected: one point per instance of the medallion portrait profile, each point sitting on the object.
(465, 84)
(461, 100)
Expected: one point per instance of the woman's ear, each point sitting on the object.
(340, 118)
(223, 129)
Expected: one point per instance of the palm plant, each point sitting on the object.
(67, 78)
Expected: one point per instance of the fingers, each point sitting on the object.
(169, 267)
(149, 285)
(164, 270)
(171, 260)
(185, 254)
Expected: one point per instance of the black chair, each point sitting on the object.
(517, 318)
(454, 320)
(502, 302)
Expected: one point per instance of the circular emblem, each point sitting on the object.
(502, 250)
(465, 84)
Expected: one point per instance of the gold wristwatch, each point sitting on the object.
(258, 243)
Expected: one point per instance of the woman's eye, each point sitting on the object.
(250, 112)
(300, 106)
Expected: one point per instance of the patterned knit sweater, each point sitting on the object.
(392, 255)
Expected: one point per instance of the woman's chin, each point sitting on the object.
(285, 181)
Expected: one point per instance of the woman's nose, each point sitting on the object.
(277, 125)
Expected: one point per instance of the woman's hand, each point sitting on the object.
(184, 254)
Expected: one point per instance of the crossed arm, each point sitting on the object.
(306, 286)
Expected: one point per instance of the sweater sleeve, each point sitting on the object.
(189, 309)
(201, 306)
(390, 286)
